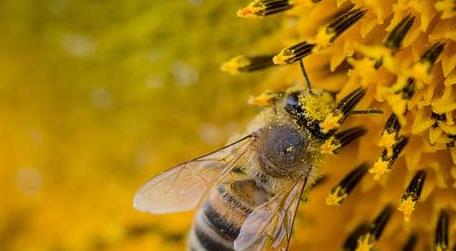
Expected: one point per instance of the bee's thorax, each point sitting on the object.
(282, 149)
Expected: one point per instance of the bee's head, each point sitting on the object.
(309, 109)
(318, 112)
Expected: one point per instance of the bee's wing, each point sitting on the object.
(181, 187)
(272, 220)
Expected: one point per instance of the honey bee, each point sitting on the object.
(248, 192)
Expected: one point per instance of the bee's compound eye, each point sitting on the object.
(292, 104)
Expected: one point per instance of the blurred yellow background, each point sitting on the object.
(98, 96)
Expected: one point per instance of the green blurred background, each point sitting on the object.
(96, 97)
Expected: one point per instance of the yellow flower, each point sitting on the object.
(404, 53)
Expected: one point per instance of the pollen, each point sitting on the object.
(242, 63)
(387, 141)
(235, 64)
(267, 98)
(329, 146)
(323, 38)
(379, 168)
(336, 197)
(365, 243)
(331, 122)
(407, 207)
(262, 8)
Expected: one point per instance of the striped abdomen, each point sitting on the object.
(218, 222)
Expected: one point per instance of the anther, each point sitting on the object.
(350, 101)
(346, 185)
(432, 53)
(409, 89)
(390, 135)
(395, 37)
(441, 232)
(412, 194)
(367, 241)
(293, 53)
(343, 22)
(267, 98)
(392, 124)
(351, 242)
(410, 243)
(325, 36)
(343, 108)
(334, 144)
(262, 8)
(385, 162)
(244, 63)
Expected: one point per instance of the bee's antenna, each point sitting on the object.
(306, 77)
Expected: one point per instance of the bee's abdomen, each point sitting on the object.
(218, 222)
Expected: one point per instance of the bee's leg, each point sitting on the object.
(334, 120)
(306, 77)
(335, 143)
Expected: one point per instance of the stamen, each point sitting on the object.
(392, 124)
(409, 89)
(367, 241)
(343, 108)
(412, 194)
(343, 22)
(267, 98)
(325, 36)
(395, 37)
(350, 101)
(346, 185)
(421, 69)
(334, 144)
(262, 8)
(390, 135)
(293, 53)
(441, 232)
(432, 53)
(411, 243)
(351, 242)
(331, 123)
(381, 221)
(367, 111)
(244, 63)
(384, 163)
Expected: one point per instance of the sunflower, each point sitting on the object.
(394, 188)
